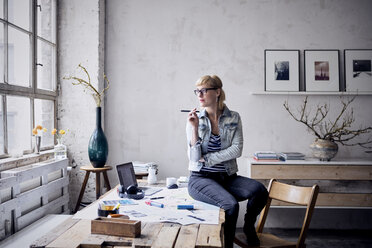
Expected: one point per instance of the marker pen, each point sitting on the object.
(187, 111)
(155, 204)
(187, 207)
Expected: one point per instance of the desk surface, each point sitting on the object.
(76, 232)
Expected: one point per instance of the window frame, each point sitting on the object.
(31, 92)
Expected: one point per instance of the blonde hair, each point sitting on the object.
(213, 82)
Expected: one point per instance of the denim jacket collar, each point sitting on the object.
(226, 112)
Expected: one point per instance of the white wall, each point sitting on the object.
(156, 50)
(80, 40)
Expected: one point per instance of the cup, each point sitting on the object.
(171, 181)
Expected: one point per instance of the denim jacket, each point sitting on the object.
(230, 128)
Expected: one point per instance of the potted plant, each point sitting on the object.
(330, 132)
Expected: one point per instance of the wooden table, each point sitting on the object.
(77, 233)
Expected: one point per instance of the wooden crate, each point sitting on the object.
(116, 227)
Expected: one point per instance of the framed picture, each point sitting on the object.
(358, 74)
(322, 70)
(282, 70)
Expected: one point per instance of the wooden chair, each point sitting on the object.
(303, 196)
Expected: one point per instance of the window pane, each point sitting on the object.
(46, 72)
(19, 13)
(2, 53)
(19, 58)
(46, 20)
(1, 8)
(44, 116)
(1, 127)
(19, 127)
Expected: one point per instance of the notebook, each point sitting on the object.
(127, 177)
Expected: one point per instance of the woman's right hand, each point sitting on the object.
(193, 119)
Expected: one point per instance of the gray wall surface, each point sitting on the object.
(156, 50)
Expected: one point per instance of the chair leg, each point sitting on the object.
(82, 191)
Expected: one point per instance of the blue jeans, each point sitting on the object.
(224, 191)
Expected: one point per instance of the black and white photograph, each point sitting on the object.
(358, 73)
(322, 70)
(282, 70)
(362, 68)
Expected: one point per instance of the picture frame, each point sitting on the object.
(282, 70)
(358, 74)
(322, 70)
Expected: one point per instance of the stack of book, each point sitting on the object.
(291, 156)
(266, 155)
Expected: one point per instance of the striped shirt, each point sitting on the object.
(214, 145)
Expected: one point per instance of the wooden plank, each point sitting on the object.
(337, 200)
(7, 182)
(54, 233)
(28, 172)
(43, 190)
(148, 234)
(50, 208)
(98, 241)
(209, 236)
(74, 236)
(311, 172)
(187, 236)
(167, 236)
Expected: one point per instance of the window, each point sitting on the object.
(28, 87)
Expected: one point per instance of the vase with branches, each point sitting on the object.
(330, 132)
(98, 145)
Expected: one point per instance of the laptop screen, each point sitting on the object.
(126, 174)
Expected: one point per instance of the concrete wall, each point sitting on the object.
(156, 50)
(80, 40)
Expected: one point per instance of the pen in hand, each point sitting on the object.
(187, 111)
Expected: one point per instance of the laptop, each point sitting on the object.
(127, 177)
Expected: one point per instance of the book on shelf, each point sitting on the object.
(292, 155)
(266, 159)
(265, 155)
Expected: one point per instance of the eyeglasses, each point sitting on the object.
(203, 91)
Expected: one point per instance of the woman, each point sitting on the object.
(215, 140)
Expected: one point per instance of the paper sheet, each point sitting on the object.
(204, 213)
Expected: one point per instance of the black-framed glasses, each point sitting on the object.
(203, 91)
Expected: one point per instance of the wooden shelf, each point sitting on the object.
(315, 93)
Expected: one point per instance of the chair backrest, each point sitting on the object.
(304, 196)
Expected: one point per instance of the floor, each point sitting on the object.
(329, 238)
(315, 238)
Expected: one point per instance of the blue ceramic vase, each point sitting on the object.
(98, 146)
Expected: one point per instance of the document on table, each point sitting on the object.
(202, 214)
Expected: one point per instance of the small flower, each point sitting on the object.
(59, 133)
(37, 128)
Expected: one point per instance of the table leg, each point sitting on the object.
(98, 185)
(106, 180)
(82, 190)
